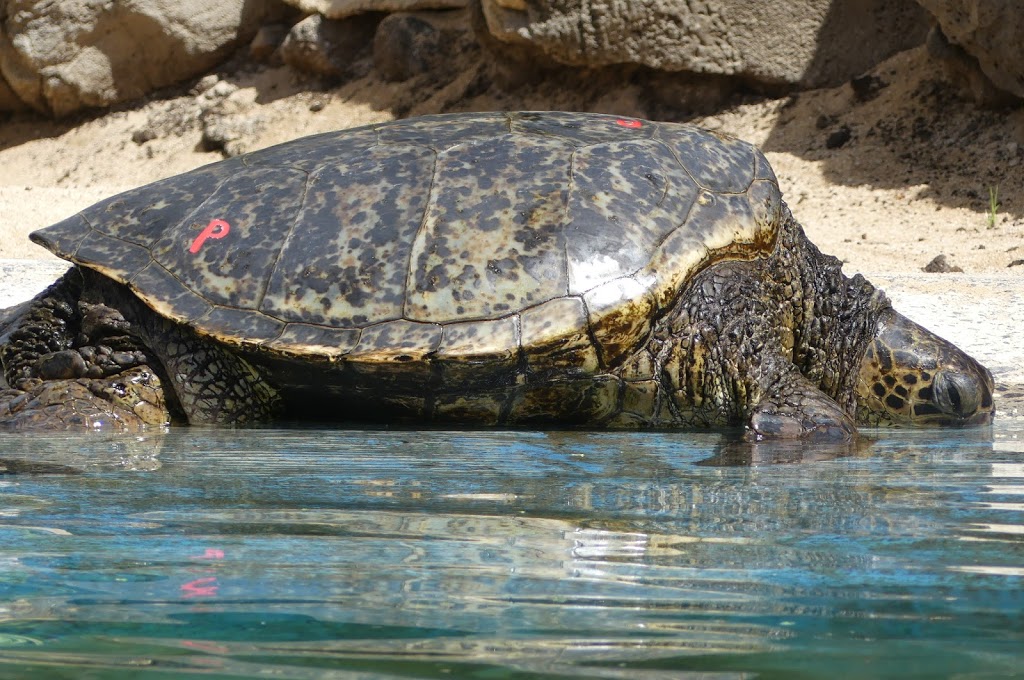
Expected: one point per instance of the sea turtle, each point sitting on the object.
(487, 269)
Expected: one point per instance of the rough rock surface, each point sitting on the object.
(60, 57)
(807, 43)
(339, 9)
(990, 32)
(326, 47)
(266, 41)
(408, 45)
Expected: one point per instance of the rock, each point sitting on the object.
(939, 265)
(228, 135)
(228, 124)
(866, 87)
(339, 9)
(807, 43)
(210, 92)
(145, 134)
(838, 138)
(227, 127)
(824, 121)
(266, 41)
(60, 57)
(205, 84)
(979, 42)
(327, 47)
(407, 45)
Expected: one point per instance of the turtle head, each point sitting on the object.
(909, 375)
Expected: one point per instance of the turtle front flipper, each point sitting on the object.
(212, 384)
(793, 408)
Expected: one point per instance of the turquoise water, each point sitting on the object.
(406, 554)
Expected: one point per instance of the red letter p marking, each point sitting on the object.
(215, 229)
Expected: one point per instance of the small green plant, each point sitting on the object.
(993, 206)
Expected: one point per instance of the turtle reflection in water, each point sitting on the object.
(494, 269)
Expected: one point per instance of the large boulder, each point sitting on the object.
(804, 43)
(339, 9)
(60, 57)
(990, 33)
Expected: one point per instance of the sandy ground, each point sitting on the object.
(913, 179)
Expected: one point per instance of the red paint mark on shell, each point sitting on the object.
(215, 229)
(629, 123)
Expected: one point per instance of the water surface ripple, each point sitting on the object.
(376, 554)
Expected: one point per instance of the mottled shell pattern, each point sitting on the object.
(467, 235)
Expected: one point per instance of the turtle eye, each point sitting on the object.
(953, 395)
(957, 393)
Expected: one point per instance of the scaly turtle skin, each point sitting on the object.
(509, 269)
